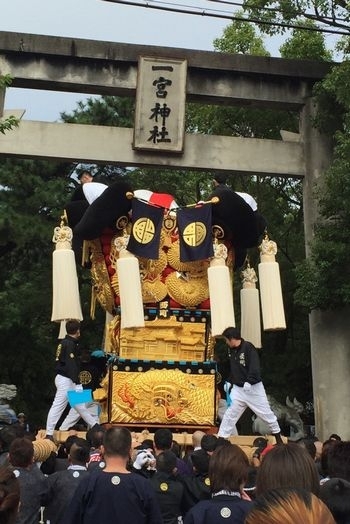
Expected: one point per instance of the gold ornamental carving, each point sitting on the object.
(187, 290)
(164, 339)
(162, 396)
(100, 277)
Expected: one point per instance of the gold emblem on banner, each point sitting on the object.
(85, 377)
(194, 234)
(143, 230)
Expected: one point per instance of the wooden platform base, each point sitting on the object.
(182, 436)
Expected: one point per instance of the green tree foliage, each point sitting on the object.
(6, 124)
(31, 199)
(102, 111)
(277, 16)
(241, 37)
(324, 277)
(305, 44)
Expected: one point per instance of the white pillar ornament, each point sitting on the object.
(270, 287)
(250, 307)
(220, 292)
(65, 288)
(130, 290)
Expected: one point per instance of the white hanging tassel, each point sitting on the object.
(220, 292)
(65, 288)
(270, 287)
(130, 292)
(250, 308)
(63, 332)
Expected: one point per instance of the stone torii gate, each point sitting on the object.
(106, 68)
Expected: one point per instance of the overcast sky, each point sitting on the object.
(105, 21)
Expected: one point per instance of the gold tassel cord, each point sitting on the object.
(85, 256)
(213, 200)
(93, 302)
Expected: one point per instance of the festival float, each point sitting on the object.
(164, 276)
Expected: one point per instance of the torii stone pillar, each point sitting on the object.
(329, 331)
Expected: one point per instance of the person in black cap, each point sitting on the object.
(84, 177)
(219, 178)
(248, 390)
(197, 485)
(168, 488)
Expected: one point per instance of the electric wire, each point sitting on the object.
(275, 10)
(192, 10)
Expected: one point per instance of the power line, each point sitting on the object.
(275, 10)
(309, 15)
(191, 10)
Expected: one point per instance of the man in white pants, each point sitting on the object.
(67, 379)
(247, 388)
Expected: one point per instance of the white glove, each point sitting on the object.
(143, 458)
(227, 387)
(78, 388)
(247, 386)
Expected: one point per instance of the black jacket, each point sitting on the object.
(169, 492)
(68, 359)
(245, 364)
(196, 488)
(62, 486)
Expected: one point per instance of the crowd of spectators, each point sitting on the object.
(105, 478)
